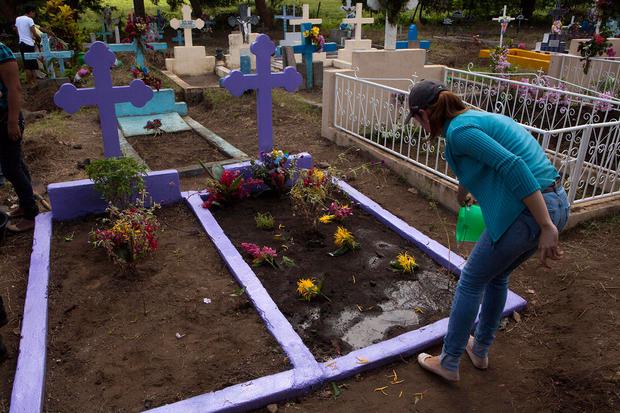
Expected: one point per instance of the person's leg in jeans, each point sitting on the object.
(487, 262)
(17, 173)
(485, 279)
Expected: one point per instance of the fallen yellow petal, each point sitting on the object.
(360, 308)
(401, 394)
(397, 381)
(362, 361)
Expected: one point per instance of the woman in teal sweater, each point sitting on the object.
(523, 204)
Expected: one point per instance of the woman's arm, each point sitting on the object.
(548, 243)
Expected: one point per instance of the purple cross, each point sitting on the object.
(263, 81)
(103, 95)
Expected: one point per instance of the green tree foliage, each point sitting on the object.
(61, 20)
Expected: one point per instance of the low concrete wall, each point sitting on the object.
(574, 45)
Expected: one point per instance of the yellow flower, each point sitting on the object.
(343, 237)
(315, 31)
(406, 262)
(319, 175)
(306, 33)
(307, 288)
(327, 219)
(276, 153)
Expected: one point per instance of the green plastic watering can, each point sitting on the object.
(470, 224)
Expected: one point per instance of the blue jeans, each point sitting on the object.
(484, 279)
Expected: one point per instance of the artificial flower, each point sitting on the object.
(404, 263)
(308, 288)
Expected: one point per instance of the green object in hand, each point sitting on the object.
(470, 224)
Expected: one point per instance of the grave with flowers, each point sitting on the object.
(341, 284)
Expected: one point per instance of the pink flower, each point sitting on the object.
(611, 52)
(252, 249)
(266, 251)
(598, 39)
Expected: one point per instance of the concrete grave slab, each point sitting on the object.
(170, 122)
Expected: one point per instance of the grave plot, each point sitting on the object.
(363, 301)
(132, 342)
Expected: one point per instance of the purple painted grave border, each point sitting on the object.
(29, 384)
(28, 393)
(75, 199)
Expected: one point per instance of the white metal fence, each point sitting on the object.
(603, 75)
(581, 134)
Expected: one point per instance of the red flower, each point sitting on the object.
(598, 39)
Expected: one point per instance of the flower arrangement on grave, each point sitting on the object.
(118, 180)
(82, 75)
(310, 193)
(404, 263)
(131, 237)
(274, 169)
(596, 46)
(142, 73)
(336, 212)
(138, 29)
(309, 288)
(345, 241)
(556, 27)
(260, 256)
(154, 125)
(229, 186)
(499, 59)
(315, 37)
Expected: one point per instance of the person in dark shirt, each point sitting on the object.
(11, 131)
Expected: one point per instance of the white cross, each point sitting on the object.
(305, 18)
(572, 21)
(503, 19)
(358, 21)
(187, 24)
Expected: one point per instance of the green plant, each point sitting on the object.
(118, 180)
(61, 19)
(310, 193)
(264, 221)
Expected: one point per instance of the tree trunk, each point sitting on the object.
(265, 14)
(527, 8)
(196, 7)
(138, 8)
(391, 32)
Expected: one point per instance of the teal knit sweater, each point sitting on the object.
(499, 162)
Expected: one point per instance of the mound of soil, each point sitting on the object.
(121, 342)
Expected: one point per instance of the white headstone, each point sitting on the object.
(187, 24)
(305, 17)
(359, 20)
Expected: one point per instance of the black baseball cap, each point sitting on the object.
(422, 95)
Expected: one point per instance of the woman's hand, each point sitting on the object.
(549, 244)
(15, 132)
(464, 197)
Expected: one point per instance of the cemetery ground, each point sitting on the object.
(560, 354)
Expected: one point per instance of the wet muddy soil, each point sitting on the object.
(363, 300)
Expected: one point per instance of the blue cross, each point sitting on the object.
(285, 17)
(179, 39)
(49, 56)
(307, 49)
(104, 33)
(133, 48)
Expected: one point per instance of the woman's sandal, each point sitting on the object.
(481, 363)
(437, 369)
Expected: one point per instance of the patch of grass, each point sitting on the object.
(52, 125)
(295, 105)
(264, 221)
